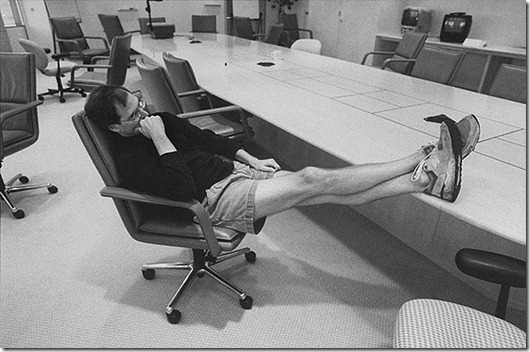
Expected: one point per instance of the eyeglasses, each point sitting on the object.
(140, 109)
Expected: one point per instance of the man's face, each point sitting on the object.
(130, 116)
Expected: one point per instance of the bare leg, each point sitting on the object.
(351, 185)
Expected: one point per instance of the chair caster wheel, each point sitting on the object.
(246, 303)
(250, 256)
(19, 214)
(148, 274)
(200, 274)
(62, 100)
(40, 97)
(52, 189)
(83, 95)
(23, 179)
(174, 316)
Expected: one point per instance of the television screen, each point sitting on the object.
(455, 25)
(410, 17)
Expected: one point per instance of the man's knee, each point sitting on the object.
(312, 176)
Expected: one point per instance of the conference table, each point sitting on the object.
(361, 114)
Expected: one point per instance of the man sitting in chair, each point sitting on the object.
(169, 157)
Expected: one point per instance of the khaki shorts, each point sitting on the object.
(230, 202)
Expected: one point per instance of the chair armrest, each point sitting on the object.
(10, 113)
(189, 115)
(375, 53)
(192, 92)
(306, 30)
(492, 267)
(135, 31)
(193, 205)
(388, 61)
(60, 56)
(99, 38)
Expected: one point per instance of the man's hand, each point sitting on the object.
(269, 165)
(152, 127)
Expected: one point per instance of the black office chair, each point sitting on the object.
(243, 28)
(114, 71)
(19, 126)
(274, 34)
(144, 23)
(291, 29)
(204, 23)
(408, 48)
(431, 323)
(71, 39)
(510, 83)
(495, 268)
(152, 219)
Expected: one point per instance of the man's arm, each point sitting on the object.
(152, 127)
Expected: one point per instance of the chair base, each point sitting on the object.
(8, 187)
(61, 90)
(202, 262)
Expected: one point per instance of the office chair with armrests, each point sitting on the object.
(313, 46)
(436, 65)
(204, 23)
(144, 23)
(510, 83)
(274, 34)
(429, 323)
(55, 68)
(408, 48)
(112, 26)
(71, 39)
(291, 29)
(243, 28)
(19, 127)
(194, 98)
(165, 98)
(152, 219)
(116, 68)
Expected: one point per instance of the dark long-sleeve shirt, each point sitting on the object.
(181, 175)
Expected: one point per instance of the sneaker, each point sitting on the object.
(443, 165)
(469, 128)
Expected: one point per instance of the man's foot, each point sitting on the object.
(469, 128)
(443, 165)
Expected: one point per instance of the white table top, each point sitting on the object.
(362, 114)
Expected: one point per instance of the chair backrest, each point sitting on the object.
(274, 34)
(68, 28)
(119, 59)
(98, 144)
(510, 83)
(243, 27)
(157, 82)
(144, 23)
(18, 87)
(111, 26)
(437, 65)
(408, 48)
(308, 45)
(41, 59)
(204, 23)
(183, 79)
(290, 24)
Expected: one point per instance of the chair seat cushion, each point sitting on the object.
(429, 323)
(95, 52)
(51, 69)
